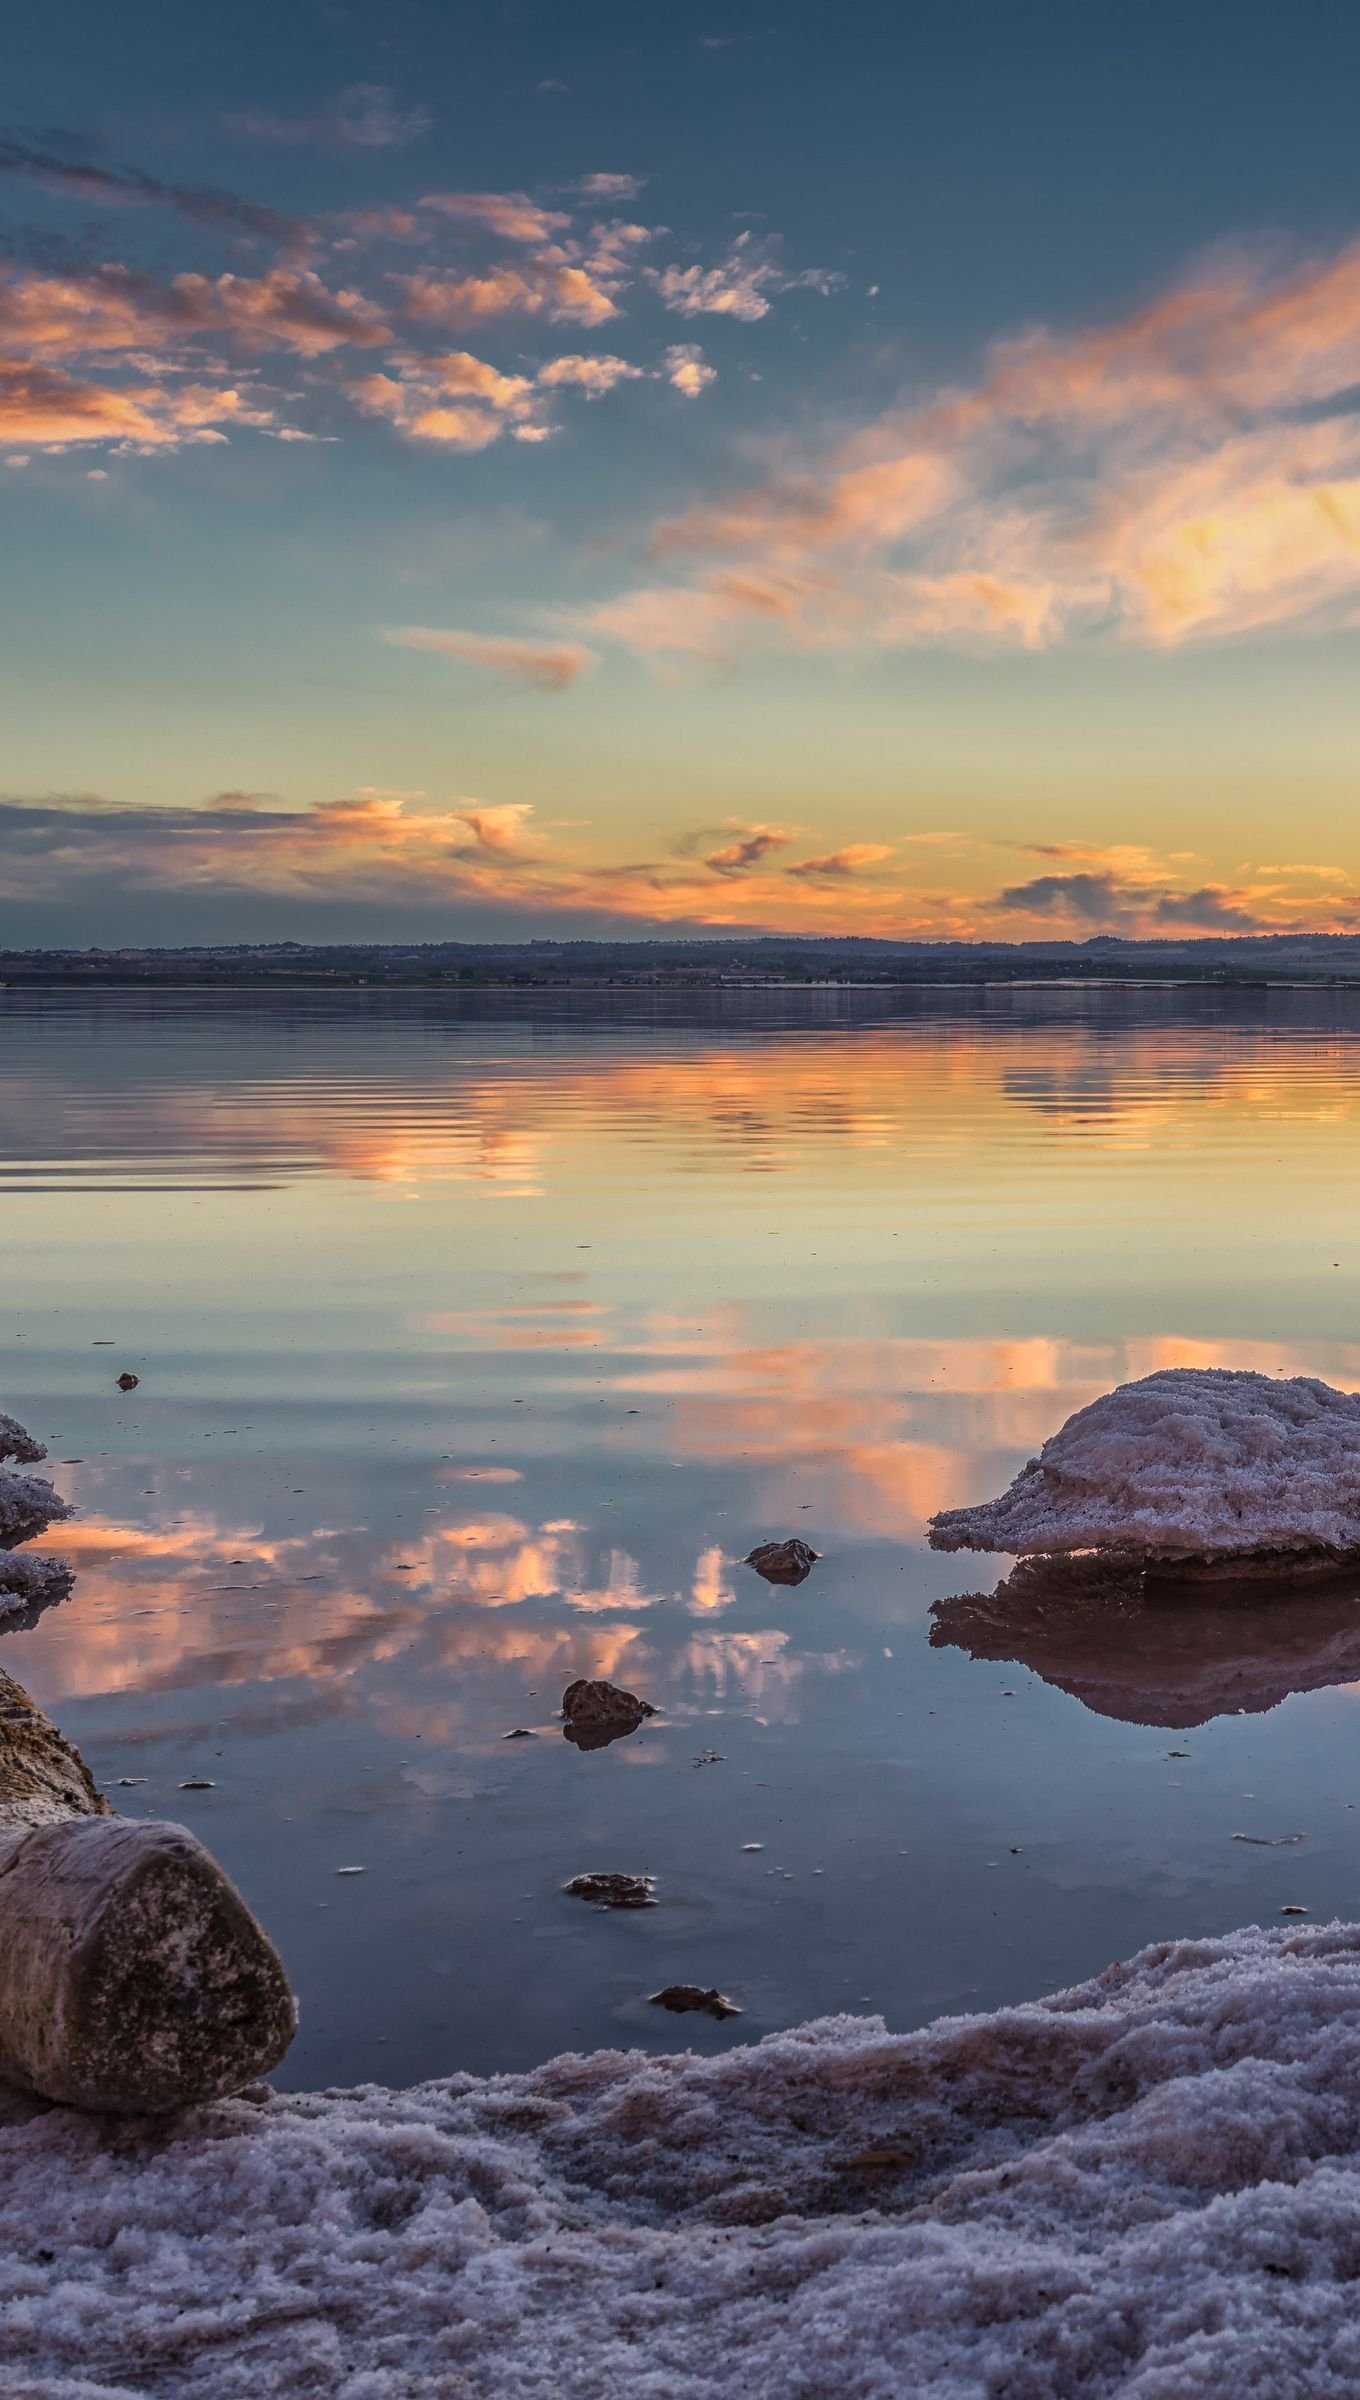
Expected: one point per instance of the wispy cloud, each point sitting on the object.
(512, 216)
(548, 284)
(593, 376)
(68, 167)
(741, 285)
(835, 864)
(365, 117)
(544, 666)
(611, 187)
(43, 404)
(1190, 472)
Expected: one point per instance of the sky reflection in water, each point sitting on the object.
(479, 1343)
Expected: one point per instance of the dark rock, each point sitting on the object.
(680, 1997)
(782, 1562)
(613, 1891)
(599, 1713)
(128, 1383)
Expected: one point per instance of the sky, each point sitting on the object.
(537, 471)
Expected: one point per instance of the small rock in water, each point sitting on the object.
(198, 1783)
(709, 1758)
(128, 1383)
(679, 1997)
(1271, 1841)
(783, 1562)
(520, 1733)
(613, 1891)
(126, 1782)
(1292, 1909)
(599, 1713)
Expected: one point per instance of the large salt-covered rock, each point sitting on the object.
(1196, 1462)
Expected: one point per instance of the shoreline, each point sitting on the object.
(1146, 2183)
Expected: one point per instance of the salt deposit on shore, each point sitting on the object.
(1195, 1462)
(1149, 2185)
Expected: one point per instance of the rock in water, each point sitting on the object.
(1192, 1463)
(128, 1383)
(599, 1713)
(614, 1891)
(782, 1562)
(682, 1997)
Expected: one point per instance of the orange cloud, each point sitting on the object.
(45, 405)
(377, 845)
(846, 861)
(510, 215)
(687, 371)
(593, 376)
(544, 666)
(550, 286)
(1157, 478)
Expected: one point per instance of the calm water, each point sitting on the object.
(478, 1343)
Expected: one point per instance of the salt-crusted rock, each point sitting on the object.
(17, 1444)
(28, 1585)
(1196, 1462)
(1135, 1648)
(27, 1502)
(599, 1713)
(782, 1562)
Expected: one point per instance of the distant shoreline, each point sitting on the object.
(697, 965)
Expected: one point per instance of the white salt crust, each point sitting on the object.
(1196, 1462)
(1148, 2185)
(27, 1582)
(27, 1504)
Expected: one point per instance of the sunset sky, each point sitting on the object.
(545, 470)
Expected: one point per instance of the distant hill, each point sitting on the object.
(727, 961)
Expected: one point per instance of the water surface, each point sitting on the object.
(479, 1340)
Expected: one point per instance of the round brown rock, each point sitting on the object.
(133, 1977)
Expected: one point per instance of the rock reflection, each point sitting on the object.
(1150, 1654)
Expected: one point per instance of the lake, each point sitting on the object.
(478, 1341)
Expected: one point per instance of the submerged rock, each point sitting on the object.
(614, 1891)
(1193, 1463)
(599, 1713)
(681, 1997)
(782, 1562)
